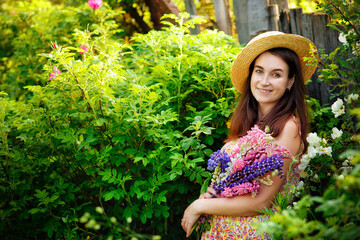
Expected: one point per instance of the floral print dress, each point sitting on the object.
(228, 227)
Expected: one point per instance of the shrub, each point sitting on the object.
(117, 137)
(31, 28)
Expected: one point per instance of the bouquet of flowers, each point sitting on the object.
(241, 170)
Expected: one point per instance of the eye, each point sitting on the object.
(258, 71)
(276, 75)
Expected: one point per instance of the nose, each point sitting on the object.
(264, 80)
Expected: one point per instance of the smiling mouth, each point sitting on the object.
(264, 90)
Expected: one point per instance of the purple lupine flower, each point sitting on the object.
(251, 172)
(218, 157)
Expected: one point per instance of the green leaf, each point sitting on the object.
(130, 151)
(185, 145)
(172, 176)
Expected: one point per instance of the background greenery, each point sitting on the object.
(116, 146)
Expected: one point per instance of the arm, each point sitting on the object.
(245, 205)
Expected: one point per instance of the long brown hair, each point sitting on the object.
(292, 103)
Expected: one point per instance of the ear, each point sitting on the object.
(291, 82)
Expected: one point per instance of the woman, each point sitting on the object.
(270, 73)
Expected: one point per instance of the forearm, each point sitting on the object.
(244, 205)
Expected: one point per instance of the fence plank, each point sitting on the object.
(241, 20)
(313, 87)
(319, 30)
(307, 29)
(295, 20)
(273, 17)
(222, 15)
(284, 21)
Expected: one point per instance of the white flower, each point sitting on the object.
(342, 38)
(313, 139)
(336, 133)
(304, 161)
(338, 107)
(320, 151)
(352, 97)
(300, 185)
(327, 151)
(312, 152)
(316, 176)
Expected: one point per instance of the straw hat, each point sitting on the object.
(265, 41)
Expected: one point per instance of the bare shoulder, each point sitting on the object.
(290, 137)
(291, 128)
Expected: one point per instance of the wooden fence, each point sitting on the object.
(312, 26)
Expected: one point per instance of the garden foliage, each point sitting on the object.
(111, 136)
(106, 138)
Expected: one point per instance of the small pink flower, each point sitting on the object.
(85, 48)
(55, 46)
(56, 70)
(55, 73)
(52, 77)
(95, 4)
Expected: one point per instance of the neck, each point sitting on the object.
(263, 111)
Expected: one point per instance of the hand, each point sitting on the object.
(210, 193)
(191, 215)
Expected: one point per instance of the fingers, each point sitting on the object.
(186, 226)
(205, 196)
(188, 230)
(211, 191)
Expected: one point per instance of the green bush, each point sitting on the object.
(118, 138)
(31, 28)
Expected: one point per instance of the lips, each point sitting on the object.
(264, 90)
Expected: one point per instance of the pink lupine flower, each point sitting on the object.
(241, 189)
(95, 4)
(238, 165)
(85, 48)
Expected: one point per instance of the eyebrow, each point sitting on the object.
(276, 69)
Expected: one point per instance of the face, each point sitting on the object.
(269, 80)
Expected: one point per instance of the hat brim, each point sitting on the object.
(300, 45)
